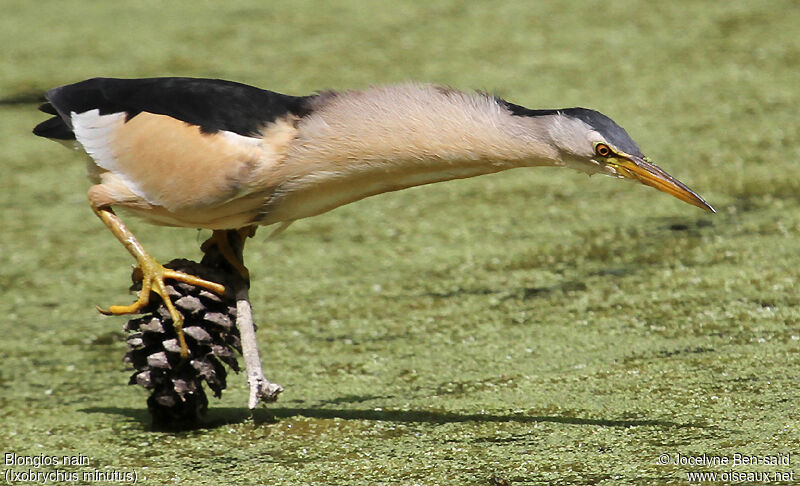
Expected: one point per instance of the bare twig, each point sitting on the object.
(261, 389)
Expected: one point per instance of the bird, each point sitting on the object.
(222, 155)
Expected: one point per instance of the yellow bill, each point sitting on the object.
(640, 169)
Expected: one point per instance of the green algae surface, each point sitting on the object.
(529, 327)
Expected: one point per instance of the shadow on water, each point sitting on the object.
(23, 98)
(218, 417)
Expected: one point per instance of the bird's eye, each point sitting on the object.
(602, 150)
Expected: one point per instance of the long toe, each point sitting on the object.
(192, 280)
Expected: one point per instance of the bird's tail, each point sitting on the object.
(55, 128)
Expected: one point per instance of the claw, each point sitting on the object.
(103, 311)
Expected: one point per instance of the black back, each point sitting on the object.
(212, 104)
(604, 125)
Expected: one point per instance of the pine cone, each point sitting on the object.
(209, 324)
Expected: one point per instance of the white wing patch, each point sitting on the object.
(242, 140)
(95, 132)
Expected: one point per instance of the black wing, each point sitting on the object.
(212, 104)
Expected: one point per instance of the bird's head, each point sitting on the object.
(592, 142)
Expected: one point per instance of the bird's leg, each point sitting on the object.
(219, 238)
(153, 275)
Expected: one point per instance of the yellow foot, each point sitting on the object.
(220, 240)
(153, 275)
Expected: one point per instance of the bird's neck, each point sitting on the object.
(362, 143)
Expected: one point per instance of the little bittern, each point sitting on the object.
(207, 153)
